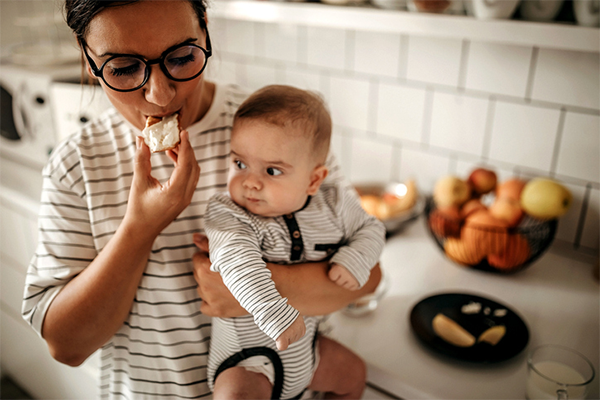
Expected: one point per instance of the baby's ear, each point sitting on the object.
(317, 177)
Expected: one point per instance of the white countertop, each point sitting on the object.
(557, 297)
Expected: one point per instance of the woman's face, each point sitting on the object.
(147, 29)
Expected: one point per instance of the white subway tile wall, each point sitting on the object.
(498, 68)
(422, 107)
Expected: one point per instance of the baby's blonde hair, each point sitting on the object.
(287, 106)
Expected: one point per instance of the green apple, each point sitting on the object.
(544, 198)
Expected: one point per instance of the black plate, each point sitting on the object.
(450, 304)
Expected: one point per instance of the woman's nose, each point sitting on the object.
(159, 89)
(252, 182)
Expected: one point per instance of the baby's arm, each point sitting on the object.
(365, 238)
(235, 253)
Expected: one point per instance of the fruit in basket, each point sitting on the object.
(370, 203)
(482, 180)
(445, 221)
(402, 200)
(485, 233)
(451, 191)
(470, 207)
(544, 198)
(390, 204)
(517, 251)
(510, 188)
(507, 209)
(450, 331)
(457, 251)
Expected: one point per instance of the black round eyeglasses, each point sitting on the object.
(128, 72)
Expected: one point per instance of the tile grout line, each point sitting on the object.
(557, 142)
(489, 124)
(531, 75)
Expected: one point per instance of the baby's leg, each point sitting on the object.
(239, 383)
(340, 373)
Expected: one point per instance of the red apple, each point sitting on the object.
(485, 232)
(445, 221)
(482, 180)
(516, 253)
(511, 188)
(470, 207)
(507, 209)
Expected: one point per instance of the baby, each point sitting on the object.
(280, 208)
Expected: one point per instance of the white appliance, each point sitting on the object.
(39, 102)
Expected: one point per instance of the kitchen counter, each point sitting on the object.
(557, 297)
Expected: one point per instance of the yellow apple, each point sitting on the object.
(451, 191)
(544, 198)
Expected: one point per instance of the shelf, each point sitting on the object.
(524, 33)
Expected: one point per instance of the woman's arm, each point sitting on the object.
(91, 307)
(306, 286)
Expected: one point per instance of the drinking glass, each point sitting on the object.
(557, 372)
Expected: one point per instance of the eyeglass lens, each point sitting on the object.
(124, 72)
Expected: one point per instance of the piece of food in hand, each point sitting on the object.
(162, 134)
(545, 199)
(451, 191)
(445, 221)
(457, 251)
(516, 253)
(492, 335)
(511, 188)
(482, 180)
(451, 332)
(507, 209)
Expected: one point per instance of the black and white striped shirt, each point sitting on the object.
(332, 224)
(161, 349)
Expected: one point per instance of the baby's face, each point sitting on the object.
(271, 171)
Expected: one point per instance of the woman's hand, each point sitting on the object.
(152, 205)
(217, 300)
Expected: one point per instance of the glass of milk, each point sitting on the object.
(557, 372)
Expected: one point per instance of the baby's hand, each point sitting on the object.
(342, 277)
(295, 331)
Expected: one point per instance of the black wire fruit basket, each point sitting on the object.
(480, 246)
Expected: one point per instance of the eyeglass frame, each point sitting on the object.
(98, 72)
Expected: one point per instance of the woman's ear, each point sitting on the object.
(317, 177)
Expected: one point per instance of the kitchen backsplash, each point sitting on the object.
(421, 107)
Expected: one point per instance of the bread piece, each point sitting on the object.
(451, 332)
(161, 134)
(493, 335)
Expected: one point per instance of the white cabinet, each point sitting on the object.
(25, 356)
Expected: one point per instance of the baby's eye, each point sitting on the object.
(240, 164)
(273, 171)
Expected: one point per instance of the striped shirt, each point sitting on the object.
(332, 224)
(161, 349)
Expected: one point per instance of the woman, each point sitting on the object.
(116, 267)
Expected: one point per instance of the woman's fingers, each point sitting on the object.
(142, 166)
(187, 171)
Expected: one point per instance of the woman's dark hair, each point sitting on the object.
(79, 13)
